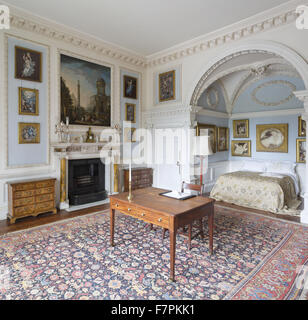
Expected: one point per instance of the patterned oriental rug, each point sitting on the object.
(256, 257)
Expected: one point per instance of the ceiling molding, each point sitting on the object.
(286, 17)
(265, 114)
(52, 31)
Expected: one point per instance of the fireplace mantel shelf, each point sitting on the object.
(75, 150)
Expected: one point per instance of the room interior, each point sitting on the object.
(76, 92)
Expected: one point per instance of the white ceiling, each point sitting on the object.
(146, 26)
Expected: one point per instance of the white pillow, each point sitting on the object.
(255, 166)
(281, 167)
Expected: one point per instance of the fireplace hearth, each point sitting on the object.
(86, 181)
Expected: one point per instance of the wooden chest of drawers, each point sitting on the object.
(30, 198)
(141, 178)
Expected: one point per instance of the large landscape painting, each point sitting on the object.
(85, 92)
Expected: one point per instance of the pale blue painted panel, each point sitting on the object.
(221, 103)
(26, 154)
(292, 121)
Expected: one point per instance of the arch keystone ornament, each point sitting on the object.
(303, 96)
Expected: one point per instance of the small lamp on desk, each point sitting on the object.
(203, 148)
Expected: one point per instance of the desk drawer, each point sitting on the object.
(45, 206)
(145, 215)
(45, 190)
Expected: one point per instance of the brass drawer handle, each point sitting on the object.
(117, 206)
(143, 214)
(160, 220)
(129, 209)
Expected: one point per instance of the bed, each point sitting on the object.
(272, 187)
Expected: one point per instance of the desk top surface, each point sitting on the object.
(149, 198)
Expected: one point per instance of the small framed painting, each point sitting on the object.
(241, 148)
(222, 139)
(130, 87)
(166, 86)
(272, 138)
(212, 131)
(29, 133)
(28, 64)
(301, 127)
(240, 129)
(129, 134)
(28, 102)
(130, 112)
(301, 150)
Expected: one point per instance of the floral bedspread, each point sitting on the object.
(250, 189)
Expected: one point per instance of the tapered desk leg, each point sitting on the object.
(112, 211)
(211, 230)
(172, 233)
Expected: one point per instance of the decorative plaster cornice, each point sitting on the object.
(275, 21)
(50, 31)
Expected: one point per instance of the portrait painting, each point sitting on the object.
(28, 102)
(211, 130)
(241, 148)
(85, 92)
(272, 138)
(166, 86)
(240, 129)
(28, 64)
(301, 127)
(222, 139)
(130, 112)
(28, 133)
(301, 150)
(129, 134)
(130, 87)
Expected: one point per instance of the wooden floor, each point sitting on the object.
(46, 218)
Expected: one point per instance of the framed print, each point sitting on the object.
(240, 129)
(166, 86)
(85, 92)
(28, 64)
(28, 102)
(129, 134)
(222, 139)
(301, 127)
(130, 87)
(28, 133)
(272, 138)
(212, 129)
(130, 112)
(241, 148)
(301, 150)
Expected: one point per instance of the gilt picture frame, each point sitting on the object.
(301, 127)
(241, 129)
(272, 138)
(241, 148)
(212, 129)
(301, 150)
(28, 133)
(28, 64)
(222, 139)
(130, 112)
(28, 101)
(166, 86)
(130, 87)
